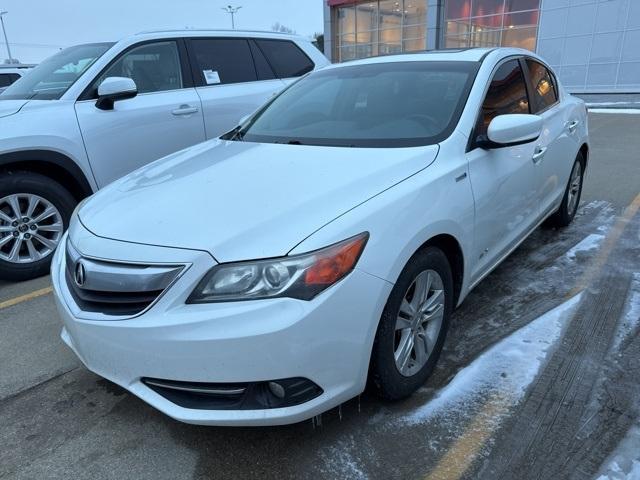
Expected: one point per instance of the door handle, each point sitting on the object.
(185, 110)
(573, 126)
(538, 154)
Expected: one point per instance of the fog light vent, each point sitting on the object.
(236, 396)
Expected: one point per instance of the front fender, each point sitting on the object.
(402, 219)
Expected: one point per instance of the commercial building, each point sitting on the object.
(594, 45)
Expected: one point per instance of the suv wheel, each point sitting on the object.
(413, 326)
(34, 213)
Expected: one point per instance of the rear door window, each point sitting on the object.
(5, 80)
(285, 57)
(222, 61)
(263, 69)
(507, 94)
(544, 88)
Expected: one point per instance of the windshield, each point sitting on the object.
(53, 77)
(393, 104)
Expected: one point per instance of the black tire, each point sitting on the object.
(565, 214)
(384, 376)
(33, 183)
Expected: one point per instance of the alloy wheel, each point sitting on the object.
(30, 228)
(418, 322)
(575, 184)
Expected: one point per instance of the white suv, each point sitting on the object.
(11, 73)
(92, 113)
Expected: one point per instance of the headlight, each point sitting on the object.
(300, 276)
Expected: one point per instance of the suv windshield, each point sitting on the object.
(393, 104)
(53, 77)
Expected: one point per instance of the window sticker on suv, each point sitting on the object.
(211, 77)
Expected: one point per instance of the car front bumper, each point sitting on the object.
(327, 340)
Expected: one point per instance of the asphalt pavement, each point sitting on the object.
(538, 377)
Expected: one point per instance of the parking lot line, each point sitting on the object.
(24, 298)
(612, 239)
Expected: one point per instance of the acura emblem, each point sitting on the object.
(80, 275)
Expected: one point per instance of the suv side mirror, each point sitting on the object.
(510, 130)
(113, 89)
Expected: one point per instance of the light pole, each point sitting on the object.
(232, 11)
(6, 41)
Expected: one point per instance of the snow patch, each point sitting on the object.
(341, 464)
(624, 462)
(624, 111)
(504, 371)
(590, 242)
(630, 320)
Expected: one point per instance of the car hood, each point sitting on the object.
(10, 107)
(241, 200)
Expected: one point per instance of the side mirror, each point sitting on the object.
(511, 130)
(114, 89)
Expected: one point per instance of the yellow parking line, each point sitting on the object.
(466, 448)
(612, 239)
(24, 298)
(459, 457)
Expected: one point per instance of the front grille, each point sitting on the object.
(114, 289)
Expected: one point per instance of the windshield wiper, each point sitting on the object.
(235, 134)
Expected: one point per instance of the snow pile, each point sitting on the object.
(590, 242)
(624, 462)
(504, 371)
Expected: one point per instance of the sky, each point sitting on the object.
(39, 28)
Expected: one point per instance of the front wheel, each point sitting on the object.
(34, 213)
(569, 206)
(413, 326)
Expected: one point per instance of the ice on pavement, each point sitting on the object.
(624, 462)
(591, 242)
(630, 320)
(505, 370)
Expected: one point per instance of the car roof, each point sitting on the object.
(204, 32)
(15, 66)
(447, 55)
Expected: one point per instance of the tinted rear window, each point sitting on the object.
(5, 79)
(263, 69)
(223, 61)
(286, 58)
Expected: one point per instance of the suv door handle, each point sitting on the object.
(538, 154)
(185, 110)
(572, 126)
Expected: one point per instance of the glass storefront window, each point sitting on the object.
(380, 27)
(366, 16)
(491, 23)
(415, 13)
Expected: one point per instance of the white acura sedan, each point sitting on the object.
(269, 275)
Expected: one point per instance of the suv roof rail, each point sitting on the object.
(17, 65)
(221, 30)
